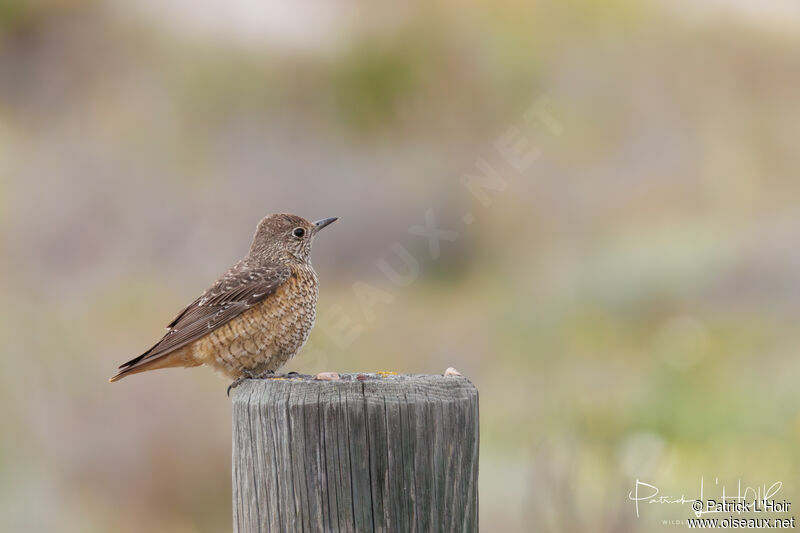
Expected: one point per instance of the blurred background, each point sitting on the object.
(627, 305)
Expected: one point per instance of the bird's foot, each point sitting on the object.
(272, 375)
(249, 375)
(235, 383)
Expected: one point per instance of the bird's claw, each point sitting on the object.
(248, 375)
(235, 383)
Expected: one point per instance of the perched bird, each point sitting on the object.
(255, 317)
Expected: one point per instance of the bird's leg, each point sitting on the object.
(246, 374)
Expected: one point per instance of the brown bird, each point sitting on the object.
(255, 317)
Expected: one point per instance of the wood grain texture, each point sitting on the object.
(391, 453)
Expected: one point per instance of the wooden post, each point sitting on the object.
(385, 453)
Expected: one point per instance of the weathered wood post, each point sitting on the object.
(385, 453)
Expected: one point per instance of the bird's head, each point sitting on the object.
(286, 237)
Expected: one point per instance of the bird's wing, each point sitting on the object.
(236, 292)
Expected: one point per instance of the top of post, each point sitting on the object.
(379, 384)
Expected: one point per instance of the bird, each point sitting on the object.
(252, 319)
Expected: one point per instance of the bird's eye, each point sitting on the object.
(299, 232)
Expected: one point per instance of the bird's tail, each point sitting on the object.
(178, 358)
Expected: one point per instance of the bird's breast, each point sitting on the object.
(266, 336)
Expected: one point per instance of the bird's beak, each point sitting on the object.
(319, 224)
